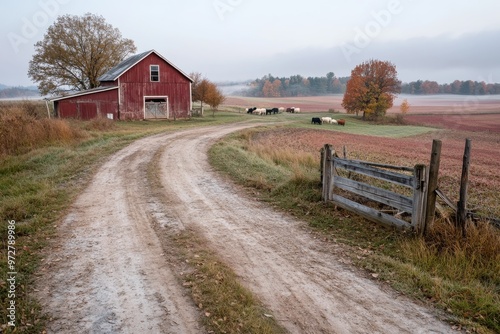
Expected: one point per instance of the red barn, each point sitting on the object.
(143, 86)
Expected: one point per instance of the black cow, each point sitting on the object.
(269, 111)
(250, 110)
(276, 111)
(316, 120)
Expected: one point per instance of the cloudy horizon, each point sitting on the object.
(236, 40)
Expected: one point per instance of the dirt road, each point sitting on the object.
(110, 275)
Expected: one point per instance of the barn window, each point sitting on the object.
(155, 72)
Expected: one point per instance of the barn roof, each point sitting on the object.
(85, 92)
(130, 62)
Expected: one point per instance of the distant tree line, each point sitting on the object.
(296, 85)
(467, 87)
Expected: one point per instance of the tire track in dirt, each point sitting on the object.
(109, 273)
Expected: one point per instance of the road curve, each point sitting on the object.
(108, 273)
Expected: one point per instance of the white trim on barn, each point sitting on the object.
(85, 92)
(118, 71)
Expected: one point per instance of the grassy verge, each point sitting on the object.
(38, 182)
(459, 276)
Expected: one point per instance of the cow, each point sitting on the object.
(316, 120)
(259, 111)
(326, 120)
(341, 122)
(250, 110)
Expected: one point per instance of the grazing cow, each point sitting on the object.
(275, 110)
(316, 120)
(269, 111)
(341, 122)
(289, 109)
(281, 110)
(326, 120)
(333, 121)
(250, 110)
(296, 110)
(259, 111)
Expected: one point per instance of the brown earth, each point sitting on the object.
(109, 272)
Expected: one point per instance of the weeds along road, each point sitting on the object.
(109, 272)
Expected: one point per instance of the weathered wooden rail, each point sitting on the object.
(414, 205)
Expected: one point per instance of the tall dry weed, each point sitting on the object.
(284, 156)
(445, 250)
(20, 132)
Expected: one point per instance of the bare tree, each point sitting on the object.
(75, 52)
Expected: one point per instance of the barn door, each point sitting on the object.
(156, 108)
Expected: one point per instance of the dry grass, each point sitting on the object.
(21, 130)
(285, 157)
(100, 124)
(464, 272)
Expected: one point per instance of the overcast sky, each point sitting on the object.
(246, 39)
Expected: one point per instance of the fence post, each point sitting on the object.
(462, 203)
(322, 164)
(327, 172)
(419, 200)
(432, 185)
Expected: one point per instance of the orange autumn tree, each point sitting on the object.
(205, 91)
(371, 89)
(271, 89)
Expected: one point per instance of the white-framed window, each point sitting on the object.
(154, 71)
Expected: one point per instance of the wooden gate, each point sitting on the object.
(413, 205)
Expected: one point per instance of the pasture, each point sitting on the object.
(457, 112)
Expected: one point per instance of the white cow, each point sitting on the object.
(259, 111)
(326, 120)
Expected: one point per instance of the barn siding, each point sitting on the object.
(89, 106)
(135, 84)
